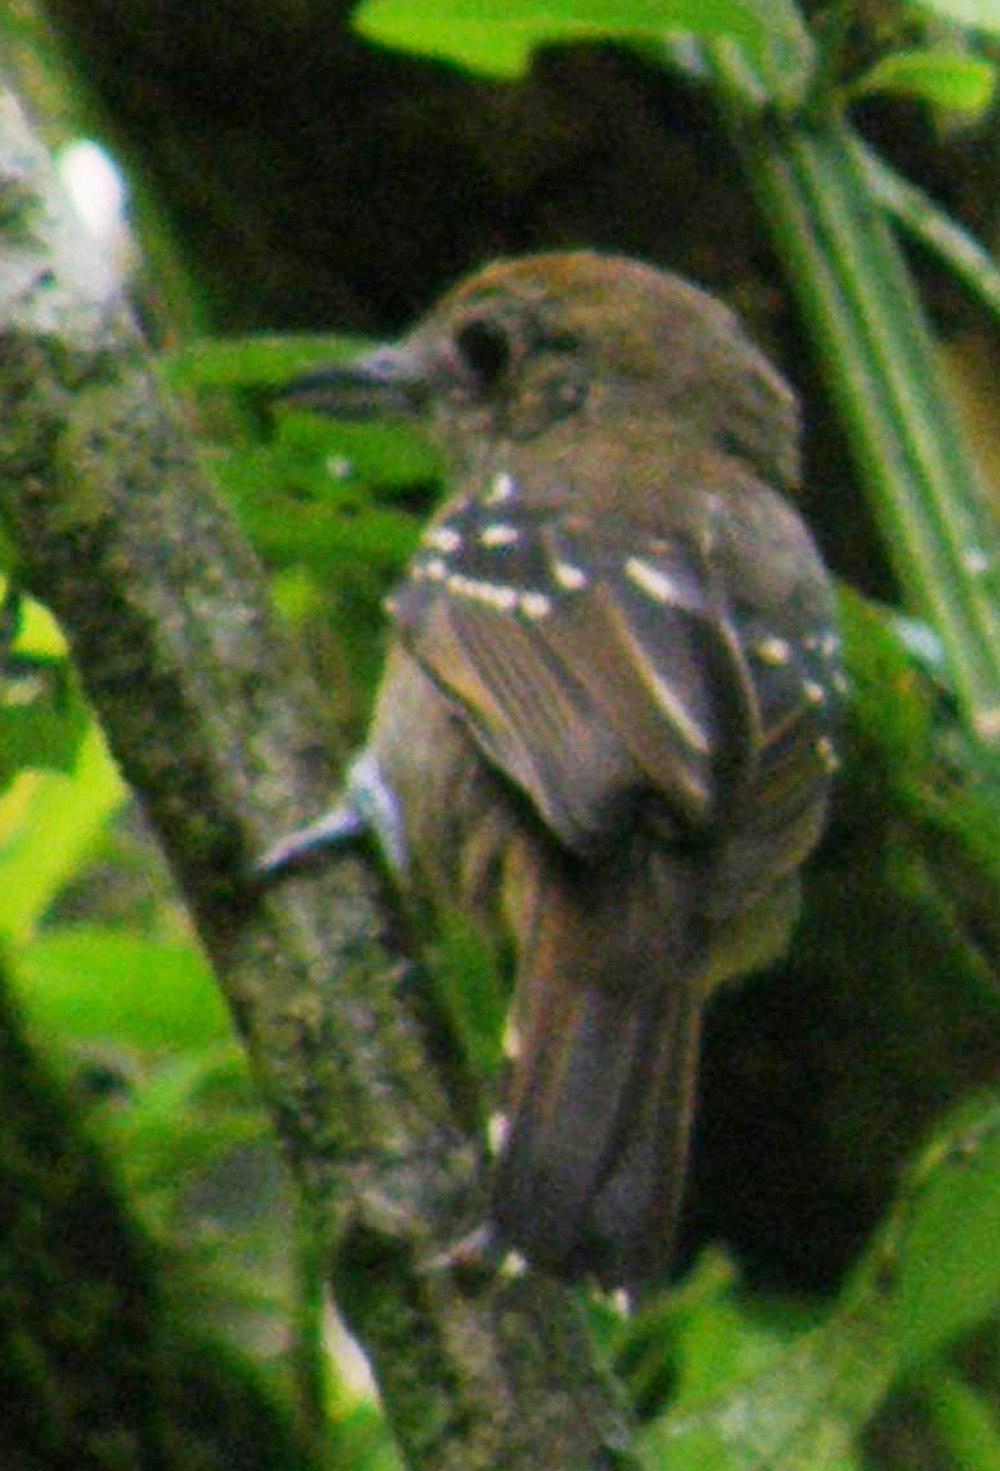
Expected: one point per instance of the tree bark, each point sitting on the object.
(216, 728)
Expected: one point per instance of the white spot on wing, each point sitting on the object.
(339, 467)
(568, 576)
(502, 489)
(443, 538)
(672, 707)
(493, 594)
(826, 752)
(621, 1301)
(658, 585)
(497, 1131)
(511, 1040)
(499, 534)
(535, 604)
(773, 650)
(513, 1265)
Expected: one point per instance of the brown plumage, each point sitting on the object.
(605, 726)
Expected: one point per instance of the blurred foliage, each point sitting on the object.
(42, 717)
(758, 1384)
(902, 927)
(100, 1369)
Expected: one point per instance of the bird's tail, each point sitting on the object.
(609, 1004)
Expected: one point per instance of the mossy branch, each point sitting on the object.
(216, 728)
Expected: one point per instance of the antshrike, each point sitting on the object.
(605, 723)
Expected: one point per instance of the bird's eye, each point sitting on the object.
(485, 349)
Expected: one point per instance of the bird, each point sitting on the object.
(607, 724)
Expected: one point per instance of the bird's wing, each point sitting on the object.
(598, 669)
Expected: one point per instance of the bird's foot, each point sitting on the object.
(368, 805)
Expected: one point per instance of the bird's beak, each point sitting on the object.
(390, 382)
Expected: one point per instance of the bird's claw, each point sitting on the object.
(368, 805)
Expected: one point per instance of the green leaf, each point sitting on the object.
(42, 715)
(316, 520)
(89, 983)
(948, 1273)
(51, 823)
(265, 361)
(182, 1118)
(802, 1413)
(499, 39)
(932, 1272)
(690, 1346)
(340, 452)
(944, 79)
(362, 1440)
(975, 15)
(963, 1418)
(61, 784)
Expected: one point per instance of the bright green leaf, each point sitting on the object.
(802, 1413)
(265, 361)
(55, 808)
(324, 535)
(90, 983)
(50, 824)
(499, 39)
(363, 1441)
(944, 79)
(726, 1341)
(42, 715)
(379, 453)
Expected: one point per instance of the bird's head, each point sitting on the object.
(579, 342)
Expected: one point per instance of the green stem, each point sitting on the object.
(962, 1418)
(878, 357)
(922, 218)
